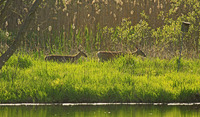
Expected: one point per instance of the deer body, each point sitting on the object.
(109, 55)
(68, 58)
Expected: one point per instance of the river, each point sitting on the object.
(99, 110)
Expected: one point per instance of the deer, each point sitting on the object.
(67, 58)
(110, 55)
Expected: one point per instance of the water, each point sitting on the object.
(100, 110)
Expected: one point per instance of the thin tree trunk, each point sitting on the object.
(21, 34)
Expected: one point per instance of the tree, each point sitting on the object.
(189, 10)
(21, 33)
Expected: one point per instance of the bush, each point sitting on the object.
(20, 61)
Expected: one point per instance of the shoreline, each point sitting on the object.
(99, 104)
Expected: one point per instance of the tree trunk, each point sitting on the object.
(21, 34)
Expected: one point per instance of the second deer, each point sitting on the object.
(68, 58)
(109, 55)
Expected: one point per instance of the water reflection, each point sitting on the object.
(100, 111)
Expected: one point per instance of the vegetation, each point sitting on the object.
(118, 25)
(61, 26)
(127, 79)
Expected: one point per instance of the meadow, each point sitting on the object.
(26, 78)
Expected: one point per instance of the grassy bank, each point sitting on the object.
(127, 79)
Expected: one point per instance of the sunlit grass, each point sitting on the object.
(127, 79)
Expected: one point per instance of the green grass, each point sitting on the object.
(127, 79)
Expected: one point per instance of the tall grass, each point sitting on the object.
(162, 42)
(127, 79)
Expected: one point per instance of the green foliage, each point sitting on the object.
(128, 36)
(170, 33)
(86, 29)
(126, 79)
(20, 61)
(142, 32)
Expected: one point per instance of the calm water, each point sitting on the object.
(100, 111)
